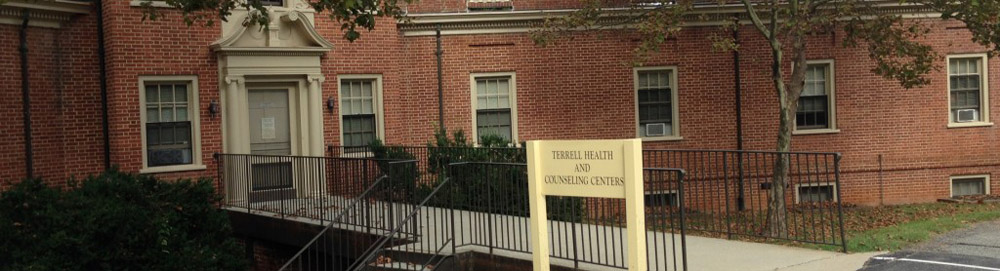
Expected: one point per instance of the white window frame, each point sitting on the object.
(984, 92)
(830, 184)
(378, 107)
(985, 177)
(194, 110)
(831, 93)
(513, 104)
(675, 122)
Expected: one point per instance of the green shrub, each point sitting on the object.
(116, 221)
(404, 177)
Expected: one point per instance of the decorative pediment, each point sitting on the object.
(292, 33)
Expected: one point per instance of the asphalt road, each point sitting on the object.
(973, 248)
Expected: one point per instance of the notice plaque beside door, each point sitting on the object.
(587, 168)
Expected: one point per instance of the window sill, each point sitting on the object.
(815, 131)
(662, 138)
(969, 124)
(177, 168)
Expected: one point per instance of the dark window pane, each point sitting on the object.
(816, 193)
(359, 130)
(276, 3)
(494, 122)
(168, 143)
(660, 199)
(812, 113)
(970, 186)
(271, 175)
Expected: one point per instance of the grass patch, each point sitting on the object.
(896, 227)
(866, 228)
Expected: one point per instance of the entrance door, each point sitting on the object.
(270, 138)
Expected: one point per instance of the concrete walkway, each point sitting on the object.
(598, 244)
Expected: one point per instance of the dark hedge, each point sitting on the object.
(116, 221)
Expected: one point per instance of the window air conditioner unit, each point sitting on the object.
(656, 129)
(967, 115)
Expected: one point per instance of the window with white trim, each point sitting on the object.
(494, 107)
(816, 192)
(656, 101)
(170, 122)
(967, 89)
(359, 111)
(815, 111)
(970, 185)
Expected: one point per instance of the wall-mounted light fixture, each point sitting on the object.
(213, 108)
(330, 103)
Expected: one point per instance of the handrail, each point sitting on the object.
(361, 197)
(371, 251)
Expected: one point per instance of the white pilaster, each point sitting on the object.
(315, 82)
(234, 94)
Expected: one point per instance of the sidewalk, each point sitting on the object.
(718, 254)
(703, 253)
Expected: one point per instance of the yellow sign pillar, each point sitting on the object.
(587, 168)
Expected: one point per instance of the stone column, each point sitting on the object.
(232, 117)
(316, 114)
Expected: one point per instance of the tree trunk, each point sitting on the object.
(777, 210)
(788, 101)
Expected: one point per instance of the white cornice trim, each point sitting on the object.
(524, 21)
(53, 6)
(42, 13)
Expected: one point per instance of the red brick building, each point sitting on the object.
(216, 89)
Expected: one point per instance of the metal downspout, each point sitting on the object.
(102, 63)
(440, 53)
(25, 96)
(740, 200)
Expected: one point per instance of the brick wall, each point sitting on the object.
(583, 89)
(163, 47)
(579, 88)
(65, 102)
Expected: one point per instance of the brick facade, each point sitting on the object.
(65, 102)
(579, 88)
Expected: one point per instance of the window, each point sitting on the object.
(489, 5)
(816, 108)
(970, 185)
(661, 199)
(494, 106)
(656, 100)
(170, 124)
(272, 3)
(360, 110)
(967, 90)
(815, 192)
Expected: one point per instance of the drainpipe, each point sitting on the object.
(439, 54)
(103, 70)
(740, 202)
(25, 96)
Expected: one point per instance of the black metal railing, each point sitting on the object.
(369, 215)
(731, 192)
(728, 192)
(475, 199)
(490, 201)
(306, 187)
(423, 250)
